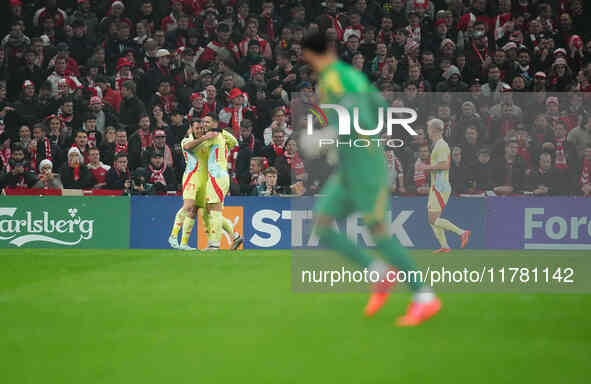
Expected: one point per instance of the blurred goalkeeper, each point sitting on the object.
(361, 182)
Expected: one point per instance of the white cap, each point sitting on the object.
(46, 162)
(162, 53)
(74, 150)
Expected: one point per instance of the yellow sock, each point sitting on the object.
(215, 233)
(178, 222)
(448, 226)
(188, 224)
(205, 217)
(440, 235)
(228, 227)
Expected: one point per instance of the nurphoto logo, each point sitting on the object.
(389, 118)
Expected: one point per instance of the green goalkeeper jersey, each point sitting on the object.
(359, 163)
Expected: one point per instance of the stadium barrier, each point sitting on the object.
(143, 222)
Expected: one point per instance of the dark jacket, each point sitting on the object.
(514, 176)
(116, 180)
(130, 112)
(11, 180)
(85, 181)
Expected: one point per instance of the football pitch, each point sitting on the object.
(132, 316)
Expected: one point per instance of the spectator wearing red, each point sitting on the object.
(585, 176)
(110, 149)
(81, 143)
(159, 145)
(115, 16)
(421, 177)
(60, 73)
(89, 126)
(170, 22)
(43, 147)
(164, 97)
(291, 166)
(18, 176)
(197, 107)
(109, 95)
(231, 117)
(74, 174)
(160, 174)
(396, 172)
(52, 12)
(252, 36)
(97, 168)
(123, 72)
(275, 149)
(221, 46)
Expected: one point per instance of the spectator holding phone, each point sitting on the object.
(48, 179)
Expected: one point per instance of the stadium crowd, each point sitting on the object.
(97, 94)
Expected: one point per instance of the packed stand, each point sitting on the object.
(97, 94)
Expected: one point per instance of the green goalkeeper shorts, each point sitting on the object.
(340, 199)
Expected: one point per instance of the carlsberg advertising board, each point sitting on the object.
(63, 222)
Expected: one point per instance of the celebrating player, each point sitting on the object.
(440, 187)
(361, 183)
(185, 216)
(215, 182)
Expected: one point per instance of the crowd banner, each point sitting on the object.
(64, 222)
(549, 223)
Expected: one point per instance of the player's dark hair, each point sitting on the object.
(212, 116)
(315, 42)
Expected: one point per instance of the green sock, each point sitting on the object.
(397, 255)
(340, 243)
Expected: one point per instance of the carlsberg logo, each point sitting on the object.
(24, 228)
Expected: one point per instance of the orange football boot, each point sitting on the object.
(419, 312)
(465, 237)
(381, 292)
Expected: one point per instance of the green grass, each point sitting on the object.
(119, 316)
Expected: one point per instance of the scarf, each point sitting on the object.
(269, 28)
(166, 101)
(236, 119)
(157, 175)
(120, 148)
(586, 173)
(208, 108)
(20, 182)
(76, 173)
(145, 139)
(120, 79)
(560, 161)
(5, 156)
(91, 139)
(278, 150)
(167, 155)
(420, 176)
(480, 56)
